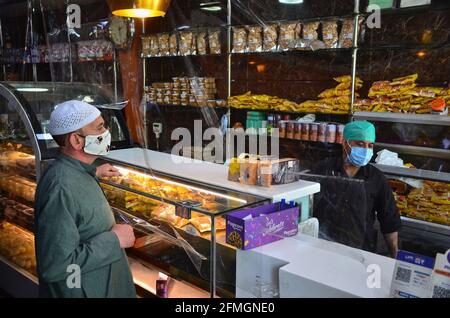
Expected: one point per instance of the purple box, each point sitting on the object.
(269, 223)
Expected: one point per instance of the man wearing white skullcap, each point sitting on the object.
(79, 247)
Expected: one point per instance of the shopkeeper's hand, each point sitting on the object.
(107, 171)
(125, 235)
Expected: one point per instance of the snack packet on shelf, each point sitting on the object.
(255, 39)
(271, 38)
(187, 44)
(347, 31)
(330, 34)
(173, 44)
(146, 45)
(154, 46)
(201, 43)
(163, 43)
(289, 33)
(214, 42)
(310, 30)
(240, 40)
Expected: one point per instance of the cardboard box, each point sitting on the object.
(274, 172)
(251, 228)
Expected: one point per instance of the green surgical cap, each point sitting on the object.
(360, 130)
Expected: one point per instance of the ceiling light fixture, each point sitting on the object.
(210, 6)
(32, 90)
(290, 1)
(139, 8)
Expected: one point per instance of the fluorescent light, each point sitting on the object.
(290, 1)
(32, 90)
(210, 6)
(183, 27)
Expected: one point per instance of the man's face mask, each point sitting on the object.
(97, 145)
(360, 157)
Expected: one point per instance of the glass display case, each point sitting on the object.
(179, 223)
(25, 149)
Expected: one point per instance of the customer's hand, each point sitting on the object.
(125, 235)
(107, 171)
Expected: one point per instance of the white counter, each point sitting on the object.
(303, 267)
(209, 173)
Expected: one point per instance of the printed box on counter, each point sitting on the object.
(251, 228)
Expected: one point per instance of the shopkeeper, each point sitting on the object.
(75, 228)
(355, 193)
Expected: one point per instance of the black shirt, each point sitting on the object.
(347, 207)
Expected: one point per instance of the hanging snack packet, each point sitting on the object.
(346, 37)
(330, 34)
(146, 45)
(173, 44)
(240, 39)
(201, 43)
(289, 33)
(310, 30)
(163, 42)
(214, 42)
(186, 45)
(255, 39)
(271, 38)
(154, 46)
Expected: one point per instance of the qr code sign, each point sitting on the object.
(440, 292)
(403, 275)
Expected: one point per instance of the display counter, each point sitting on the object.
(190, 249)
(212, 174)
(308, 267)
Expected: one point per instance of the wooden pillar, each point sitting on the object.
(132, 82)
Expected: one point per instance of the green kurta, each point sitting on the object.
(73, 223)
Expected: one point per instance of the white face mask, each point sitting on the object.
(97, 145)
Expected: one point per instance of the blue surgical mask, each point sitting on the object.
(360, 157)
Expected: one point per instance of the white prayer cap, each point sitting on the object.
(70, 116)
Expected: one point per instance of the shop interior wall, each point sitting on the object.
(50, 16)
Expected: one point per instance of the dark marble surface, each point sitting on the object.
(296, 76)
(386, 64)
(259, 11)
(415, 40)
(173, 117)
(415, 29)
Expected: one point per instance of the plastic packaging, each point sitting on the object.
(255, 39)
(330, 34)
(201, 43)
(163, 42)
(289, 32)
(240, 40)
(214, 42)
(173, 44)
(187, 44)
(346, 36)
(310, 31)
(271, 38)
